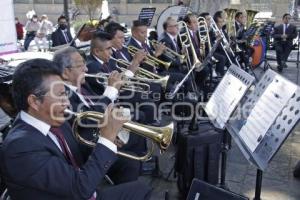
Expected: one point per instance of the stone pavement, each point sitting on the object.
(278, 181)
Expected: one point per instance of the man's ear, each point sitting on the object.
(33, 102)
(65, 74)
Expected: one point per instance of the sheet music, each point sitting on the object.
(225, 99)
(267, 108)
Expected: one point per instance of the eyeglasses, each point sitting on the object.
(175, 25)
(63, 96)
(81, 65)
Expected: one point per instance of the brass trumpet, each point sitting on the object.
(150, 60)
(130, 84)
(162, 136)
(144, 75)
(169, 52)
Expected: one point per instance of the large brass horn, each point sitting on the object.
(250, 16)
(150, 60)
(162, 136)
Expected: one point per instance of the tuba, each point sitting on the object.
(162, 136)
(230, 24)
(250, 17)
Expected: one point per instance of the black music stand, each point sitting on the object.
(222, 104)
(265, 33)
(260, 132)
(298, 56)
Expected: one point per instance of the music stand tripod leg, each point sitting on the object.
(259, 175)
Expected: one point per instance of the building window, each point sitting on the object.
(114, 1)
(43, 1)
(138, 1)
(161, 1)
(21, 1)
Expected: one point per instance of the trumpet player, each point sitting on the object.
(82, 98)
(169, 39)
(41, 160)
(138, 40)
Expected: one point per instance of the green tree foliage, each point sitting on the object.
(89, 6)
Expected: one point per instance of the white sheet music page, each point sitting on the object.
(267, 108)
(225, 99)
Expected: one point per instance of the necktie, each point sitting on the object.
(195, 39)
(176, 46)
(106, 67)
(67, 153)
(66, 36)
(145, 46)
(64, 146)
(118, 54)
(86, 95)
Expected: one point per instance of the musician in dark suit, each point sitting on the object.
(82, 98)
(219, 20)
(220, 59)
(192, 25)
(169, 39)
(62, 34)
(39, 157)
(283, 35)
(139, 40)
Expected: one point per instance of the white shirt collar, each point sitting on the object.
(171, 36)
(139, 43)
(36, 123)
(100, 61)
(72, 87)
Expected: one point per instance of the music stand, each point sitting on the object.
(271, 111)
(298, 56)
(265, 33)
(222, 104)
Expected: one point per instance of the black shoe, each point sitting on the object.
(285, 65)
(279, 68)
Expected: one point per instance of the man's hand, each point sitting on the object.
(112, 123)
(138, 57)
(159, 49)
(115, 80)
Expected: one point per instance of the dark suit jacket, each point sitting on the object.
(291, 33)
(59, 39)
(132, 42)
(170, 44)
(95, 67)
(35, 168)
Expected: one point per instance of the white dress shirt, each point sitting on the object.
(44, 128)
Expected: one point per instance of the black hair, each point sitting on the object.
(204, 14)
(61, 17)
(238, 14)
(285, 14)
(113, 27)
(138, 23)
(28, 79)
(217, 15)
(99, 36)
(187, 18)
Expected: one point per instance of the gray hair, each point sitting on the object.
(62, 57)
